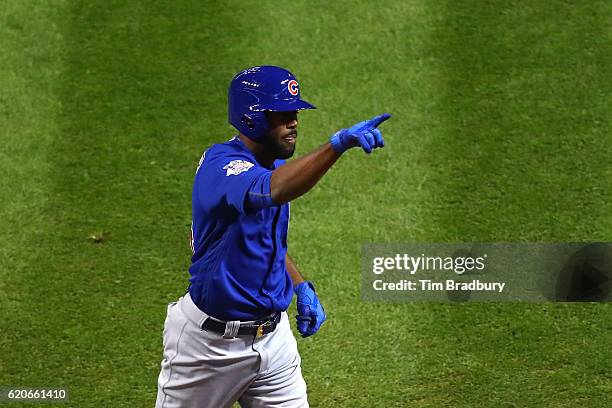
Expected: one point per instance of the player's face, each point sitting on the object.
(282, 134)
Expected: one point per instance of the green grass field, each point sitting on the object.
(501, 132)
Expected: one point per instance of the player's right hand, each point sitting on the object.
(364, 134)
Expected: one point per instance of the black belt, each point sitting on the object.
(257, 329)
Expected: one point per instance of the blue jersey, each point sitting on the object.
(239, 237)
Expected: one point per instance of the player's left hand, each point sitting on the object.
(365, 134)
(310, 315)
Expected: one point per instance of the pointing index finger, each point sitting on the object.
(377, 120)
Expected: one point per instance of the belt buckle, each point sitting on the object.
(260, 328)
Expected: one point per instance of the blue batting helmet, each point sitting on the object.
(259, 89)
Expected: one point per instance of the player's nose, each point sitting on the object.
(293, 123)
(292, 119)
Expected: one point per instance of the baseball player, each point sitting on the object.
(228, 338)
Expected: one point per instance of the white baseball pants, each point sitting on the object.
(203, 369)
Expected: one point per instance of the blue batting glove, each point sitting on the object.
(310, 315)
(364, 134)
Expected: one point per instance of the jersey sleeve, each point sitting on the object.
(234, 181)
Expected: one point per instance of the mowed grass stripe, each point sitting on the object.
(354, 65)
(141, 86)
(30, 44)
(526, 145)
(520, 154)
(369, 354)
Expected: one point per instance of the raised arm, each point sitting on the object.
(297, 177)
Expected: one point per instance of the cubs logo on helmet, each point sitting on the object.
(259, 89)
(293, 87)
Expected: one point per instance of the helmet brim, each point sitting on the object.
(283, 106)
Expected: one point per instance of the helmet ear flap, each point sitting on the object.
(248, 122)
